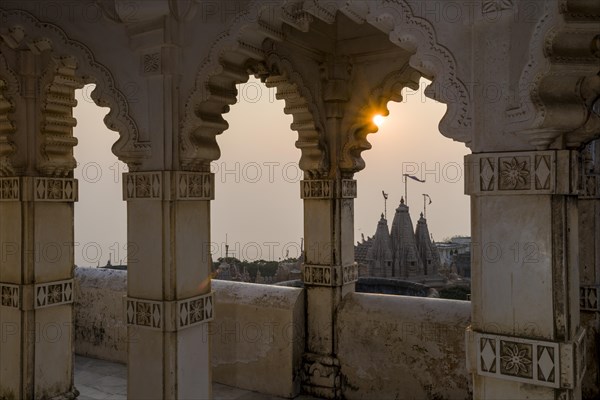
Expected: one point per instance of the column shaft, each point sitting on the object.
(525, 324)
(169, 300)
(36, 287)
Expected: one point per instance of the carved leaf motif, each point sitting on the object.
(514, 174)
(516, 359)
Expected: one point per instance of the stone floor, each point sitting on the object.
(103, 380)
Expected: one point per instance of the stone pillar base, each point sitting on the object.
(70, 395)
(321, 376)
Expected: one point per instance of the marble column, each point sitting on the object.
(36, 287)
(169, 301)
(525, 340)
(329, 272)
(589, 264)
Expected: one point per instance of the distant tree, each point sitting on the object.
(455, 292)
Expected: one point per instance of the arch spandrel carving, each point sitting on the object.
(203, 121)
(23, 31)
(432, 60)
(560, 83)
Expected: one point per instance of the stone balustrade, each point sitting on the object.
(388, 345)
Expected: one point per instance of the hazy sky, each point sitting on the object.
(258, 201)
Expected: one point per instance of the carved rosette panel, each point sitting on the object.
(541, 172)
(327, 275)
(144, 313)
(10, 189)
(53, 293)
(55, 189)
(537, 362)
(143, 185)
(10, 295)
(317, 189)
(589, 299)
(195, 311)
(328, 189)
(195, 185)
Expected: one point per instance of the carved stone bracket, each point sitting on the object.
(329, 275)
(327, 189)
(537, 362)
(166, 185)
(170, 316)
(536, 172)
(38, 189)
(588, 298)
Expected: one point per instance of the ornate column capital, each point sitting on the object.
(532, 172)
(168, 185)
(329, 275)
(559, 365)
(36, 296)
(589, 299)
(169, 316)
(315, 189)
(38, 189)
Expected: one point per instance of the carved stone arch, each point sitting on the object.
(23, 30)
(299, 103)
(8, 85)
(435, 62)
(560, 84)
(430, 58)
(241, 50)
(390, 89)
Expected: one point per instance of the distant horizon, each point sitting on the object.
(257, 202)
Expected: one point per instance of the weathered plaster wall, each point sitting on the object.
(100, 331)
(398, 347)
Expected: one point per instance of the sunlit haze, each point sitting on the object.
(257, 205)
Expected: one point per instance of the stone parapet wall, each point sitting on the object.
(258, 337)
(100, 331)
(399, 347)
(257, 334)
(389, 346)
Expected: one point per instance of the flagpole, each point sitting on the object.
(405, 190)
(424, 207)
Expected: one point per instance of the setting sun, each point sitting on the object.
(378, 120)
